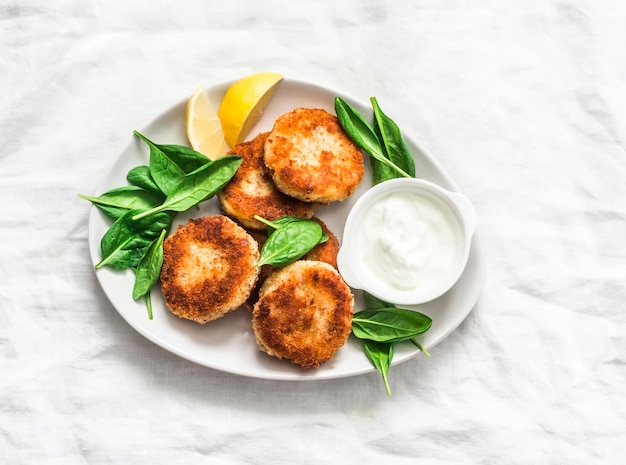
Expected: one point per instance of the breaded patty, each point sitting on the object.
(209, 268)
(326, 251)
(304, 313)
(251, 191)
(311, 158)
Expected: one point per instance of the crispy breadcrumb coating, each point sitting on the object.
(304, 313)
(210, 266)
(311, 158)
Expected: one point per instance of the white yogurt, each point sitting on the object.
(406, 241)
(409, 240)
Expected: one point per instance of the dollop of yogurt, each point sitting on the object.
(410, 240)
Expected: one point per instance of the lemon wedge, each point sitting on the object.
(204, 128)
(244, 102)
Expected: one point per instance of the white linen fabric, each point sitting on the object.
(522, 102)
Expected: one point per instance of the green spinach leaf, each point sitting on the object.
(372, 302)
(291, 239)
(197, 186)
(381, 355)
(170, 162)
(125, 242)
(185, 158)
(389, 324)
(148, 271)
(362, 134)
(279, 222)
(163, 170)
(140, 176)
(393, 144)
(120, 200)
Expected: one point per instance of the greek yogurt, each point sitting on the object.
(406, 241)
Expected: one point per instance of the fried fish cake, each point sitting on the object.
(304, 313)
(324, 252)
(251, 191)
(210, 266)
(311, 158)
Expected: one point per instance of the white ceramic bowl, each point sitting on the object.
(361, 253)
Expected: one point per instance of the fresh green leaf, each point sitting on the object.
(197, 186)
(279, 222)
(121, 246)
(393, 144)
(125, 242)
(381, 355)
(120, 200)
(372, 302)
(163, 170)
(148, 271)
(291, 239)
(140, 176)
(185, 158)
(362, 134)
(149, 268)
(168, 162)
(389, 324)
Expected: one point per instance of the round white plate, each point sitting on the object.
(228, 344)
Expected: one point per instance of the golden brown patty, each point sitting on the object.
(326, 251)
(310, 157)
(252, 192)
(304, 313)
(209, 268)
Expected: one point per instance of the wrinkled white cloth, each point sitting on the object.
(522, 102)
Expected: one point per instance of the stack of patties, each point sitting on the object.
(301, 312)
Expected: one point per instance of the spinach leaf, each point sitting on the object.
(381, 355)
(125, 242)
(170, 162)
(389, 324)
(393, 144)
(140, 176)
(363, 135)
(197, 186)
(148, 271)
(372, 302)
(120, 200)
(185, 158)
(291, 239)
(381, 326)
(163, 170)
(120, 246)
(279, 222)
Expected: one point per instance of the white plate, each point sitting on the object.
(228, 344)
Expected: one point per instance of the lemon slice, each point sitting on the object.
(204, 129)
(244, 102)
